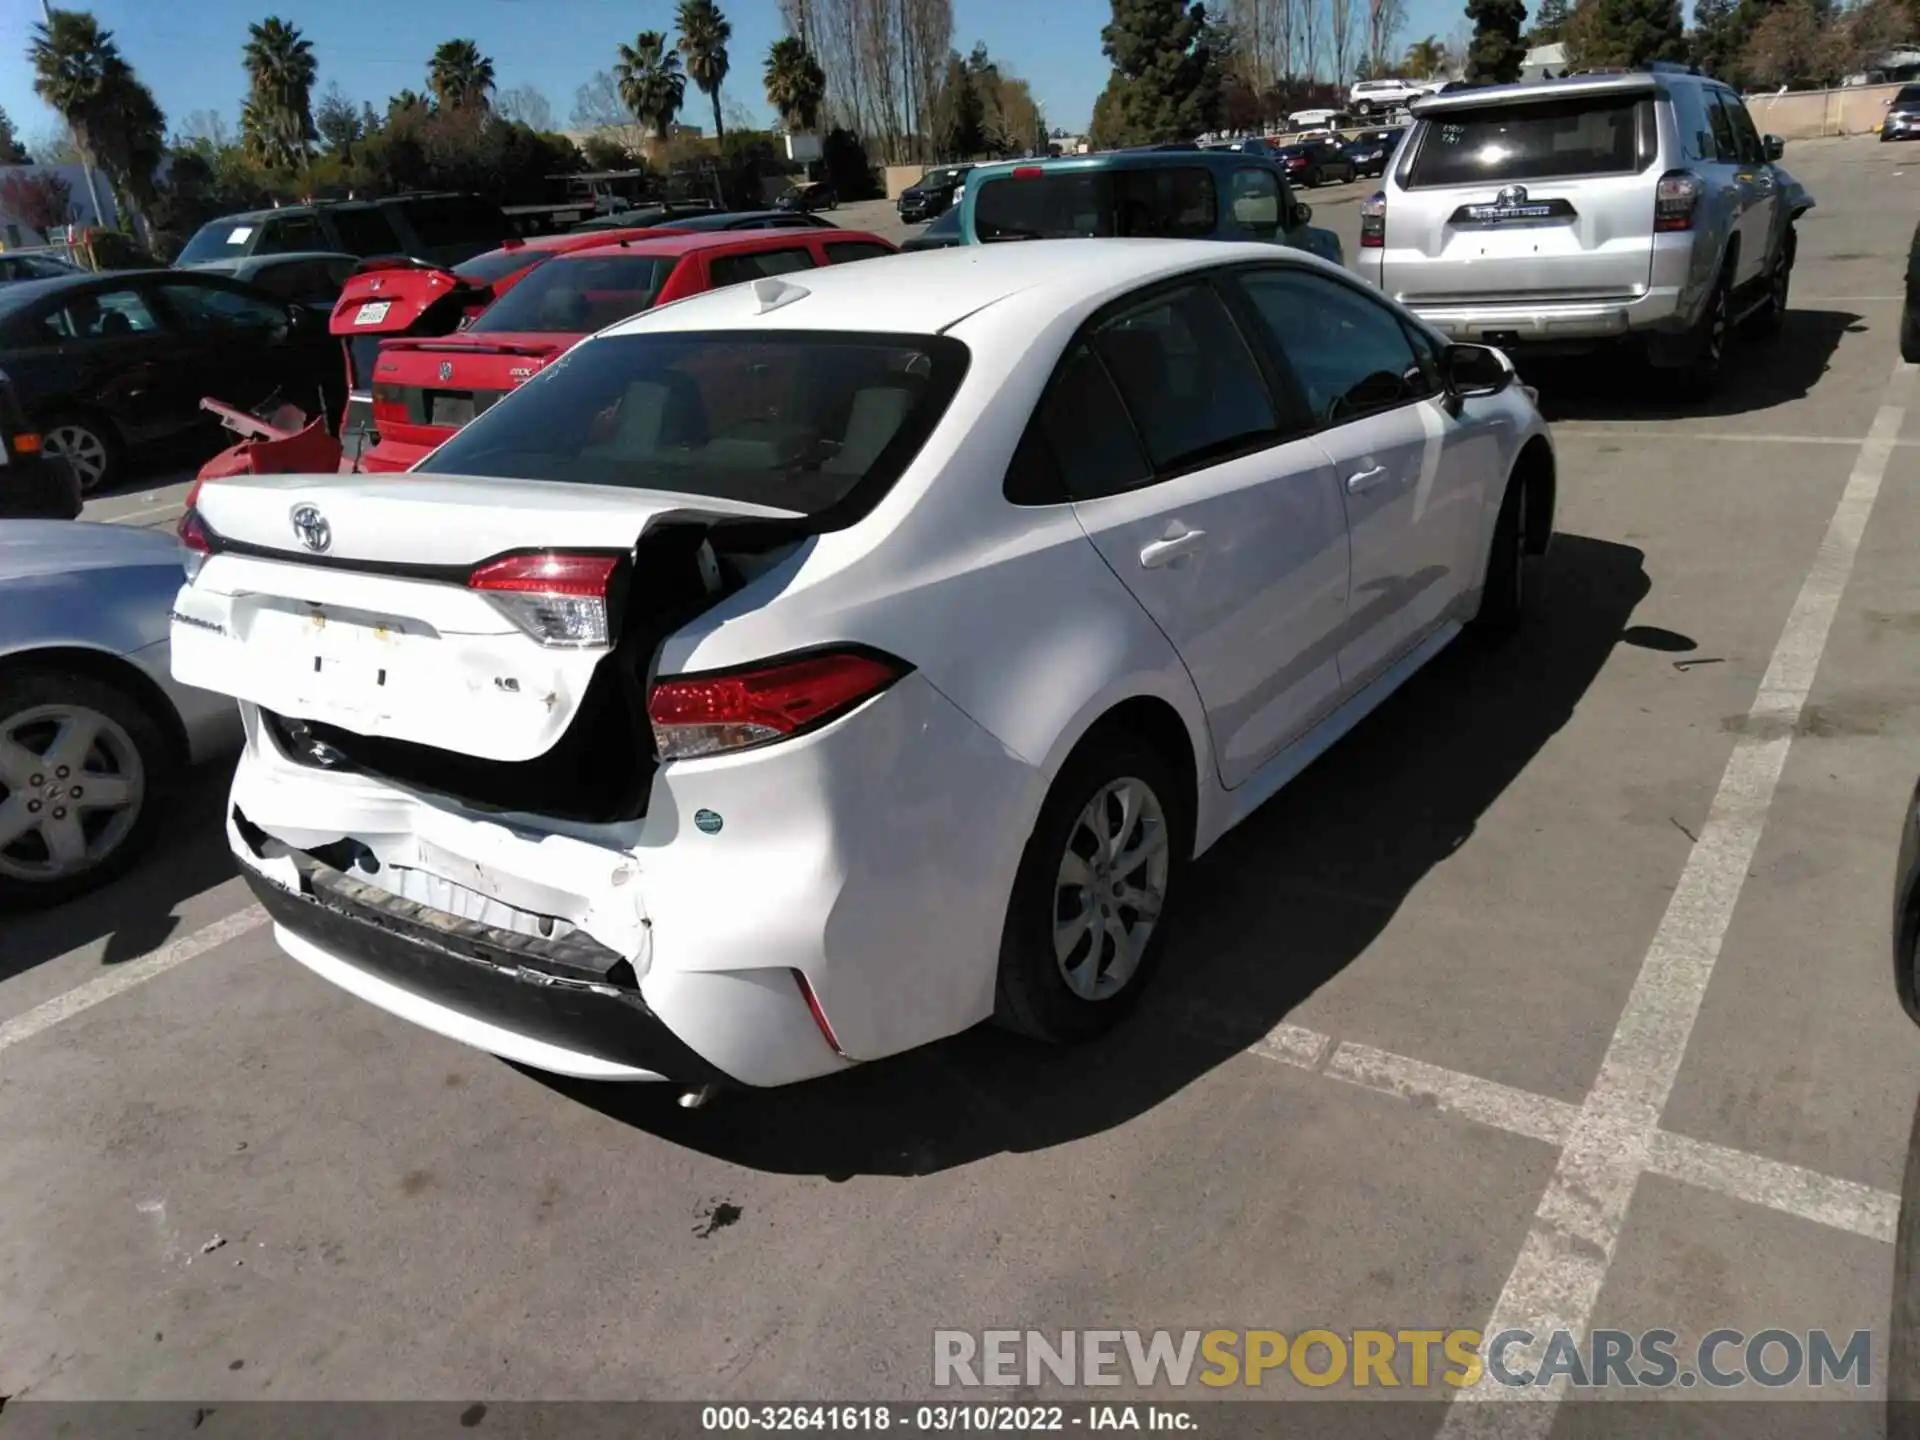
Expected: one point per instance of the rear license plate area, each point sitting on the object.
(450, 409)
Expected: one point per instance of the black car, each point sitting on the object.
(818, 195)
(933, 193)
(1317, 162)
(103, 363)
(1253, 145)
(34, 265)
(943, 233)
(1903, 115)
(667, 212)
(1371, 151)
(443, 229)
(33, 484)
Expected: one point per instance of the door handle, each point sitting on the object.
(1156, 553)
(1364, 481)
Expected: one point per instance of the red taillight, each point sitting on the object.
(712, 714)
(560, 600)
(819, 1015)
(1675, 199)
(389, 404)
(1373, 221)
(1027, 172)
(26, 443)
(194, 533)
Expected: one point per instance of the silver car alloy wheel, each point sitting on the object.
(71, 788)
(81, 448)
(1111, 887)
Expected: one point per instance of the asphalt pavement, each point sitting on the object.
(1559, 989)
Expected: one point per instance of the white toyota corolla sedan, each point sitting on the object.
(820, 666)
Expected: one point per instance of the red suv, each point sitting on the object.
(425, 389)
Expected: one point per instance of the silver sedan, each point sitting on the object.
(92, 723)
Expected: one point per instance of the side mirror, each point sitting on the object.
(1476, 370)
(1772, 146)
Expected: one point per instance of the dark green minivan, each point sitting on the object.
(1168, 193)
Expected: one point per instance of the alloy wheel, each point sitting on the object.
(1111, 888)
(81, 448)
(71, 789)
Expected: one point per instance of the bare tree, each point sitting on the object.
(597, 107)
(1252, 22)
(524, 105)
(1340, 39)
(926, 36)
(1311, 17)
(877, 58)
(1384, 21)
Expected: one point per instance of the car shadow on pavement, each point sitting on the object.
(135, 913)
(1758, 375)
(1273, 912)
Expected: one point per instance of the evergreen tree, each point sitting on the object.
(1719, 35)
(1548, 22)
(1626, 33)
(1497, 52)
(1162, 65)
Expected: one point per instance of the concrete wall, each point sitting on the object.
(1854, 110)
(899, 177)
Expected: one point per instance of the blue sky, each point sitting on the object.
(188, 51)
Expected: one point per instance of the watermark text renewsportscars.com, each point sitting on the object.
(1387, 1359)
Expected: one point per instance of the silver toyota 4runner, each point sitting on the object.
(1573, 213)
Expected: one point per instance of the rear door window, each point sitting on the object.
(363, 230)
(201, 307)
(284, 234)
(1497, 144)
(1190, 383)
(756, 265)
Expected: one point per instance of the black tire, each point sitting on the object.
(1032, 996)
(1909, 335)
(1771, 317)
(56, 433)
(28, 690)
(1503, 601)
(1700, 376)
(1903, 1327)
(1363, 108)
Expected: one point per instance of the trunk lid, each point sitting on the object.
(1522, 203)
(378, 632)
(424, 390)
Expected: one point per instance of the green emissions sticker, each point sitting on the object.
(708, 822)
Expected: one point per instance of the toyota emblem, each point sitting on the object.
(311, 527)
(446, 369)
(1512, 195)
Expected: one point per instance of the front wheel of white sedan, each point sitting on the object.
(1085, 917)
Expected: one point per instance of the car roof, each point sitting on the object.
(1117, 160)
(1636, 82)
(260, 262)
(929, 291)
(673, 244)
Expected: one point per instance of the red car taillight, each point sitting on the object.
(1373, 221)
(735, 710)
(560, 600)
(1675, 199)
(194, 532)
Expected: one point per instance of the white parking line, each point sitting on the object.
(123, 518)
(125, 977)
(1769, 1184)
(1563, 1262)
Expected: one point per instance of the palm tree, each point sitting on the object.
(1427, 58)
(650, 82)
(460, 75)
(408, 100)
(116, 124)
(704, 33)
(796, 85)
(281, 68)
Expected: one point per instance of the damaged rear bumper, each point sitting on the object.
(572, 1008)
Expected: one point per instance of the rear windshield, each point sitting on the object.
(817, 422)
(218, 240)
(940, 179)
(498, 264)
(1164, 201)
(576, 296)
(1597, 135)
